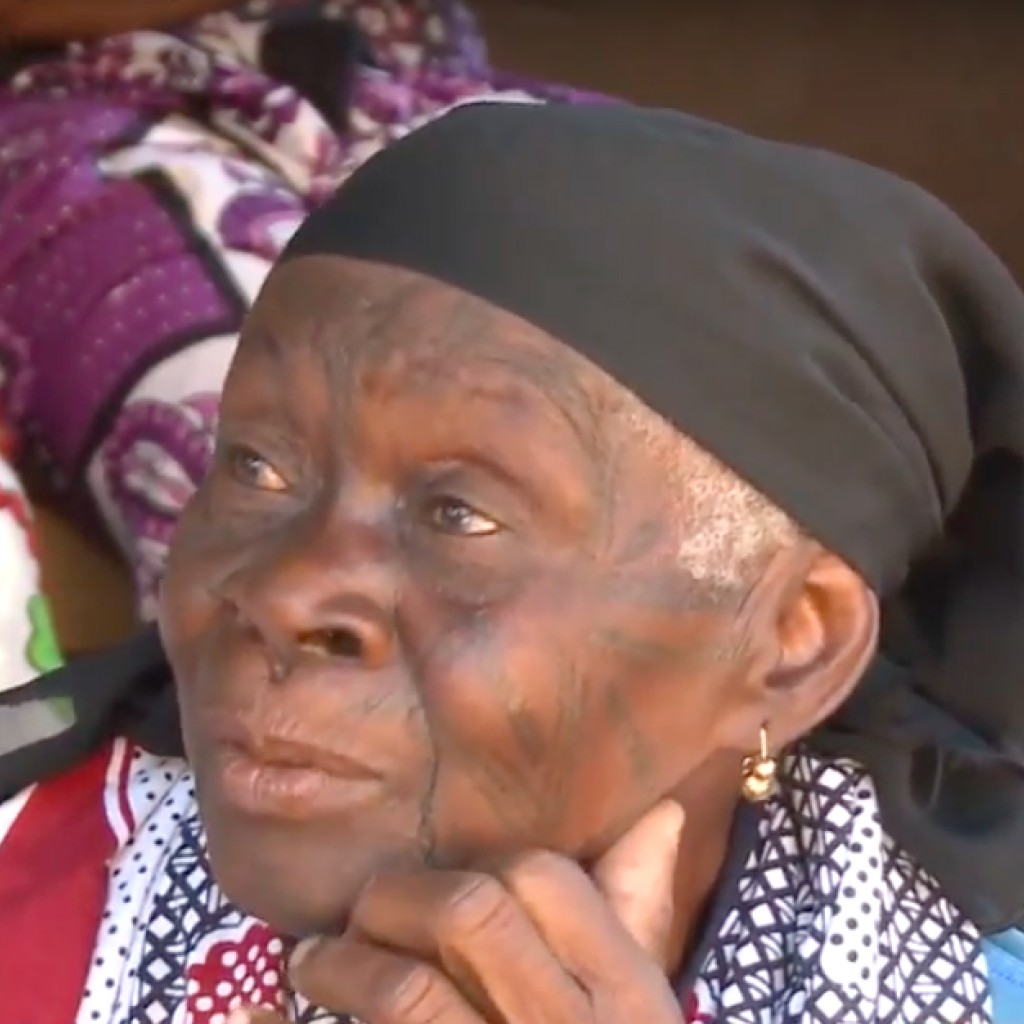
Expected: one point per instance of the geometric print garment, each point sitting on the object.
(833, 924)
(830, 922)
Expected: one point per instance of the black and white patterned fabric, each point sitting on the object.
(831, 924)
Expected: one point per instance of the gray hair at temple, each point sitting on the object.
(727, 529)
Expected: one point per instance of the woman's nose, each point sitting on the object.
(308, 606)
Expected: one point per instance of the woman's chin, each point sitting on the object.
(299, 881)
(292, 907)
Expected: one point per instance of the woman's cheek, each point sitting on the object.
(519, 726)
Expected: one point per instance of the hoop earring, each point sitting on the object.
(759, 774)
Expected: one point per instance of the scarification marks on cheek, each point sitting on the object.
(505, 772)
(506, 727)
(426, 831)
(637, 749)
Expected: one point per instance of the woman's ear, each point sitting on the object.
(825, 634)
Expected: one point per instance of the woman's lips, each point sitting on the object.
(277, 778)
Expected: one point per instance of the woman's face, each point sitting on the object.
(425, 607)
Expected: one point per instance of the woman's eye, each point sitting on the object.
(250, 468)
(450, 515)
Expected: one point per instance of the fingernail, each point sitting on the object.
(299, 954)
(239, 1017)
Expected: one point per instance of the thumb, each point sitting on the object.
(637, 877)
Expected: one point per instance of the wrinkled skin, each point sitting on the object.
(427, 542)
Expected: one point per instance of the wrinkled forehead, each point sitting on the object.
(367, 329)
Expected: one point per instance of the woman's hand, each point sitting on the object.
(535, 941)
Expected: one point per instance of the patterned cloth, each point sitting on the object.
(146, 184)
(830, 924)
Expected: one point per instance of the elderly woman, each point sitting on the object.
(606, 595)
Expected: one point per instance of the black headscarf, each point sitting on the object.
(832, 333)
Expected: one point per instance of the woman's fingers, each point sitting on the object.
(471, 926)
(380, 986)
(538, 939)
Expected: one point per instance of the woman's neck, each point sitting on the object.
(709, 798)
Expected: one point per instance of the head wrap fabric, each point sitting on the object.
(779, 306)
(835, 335)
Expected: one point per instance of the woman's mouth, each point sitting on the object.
(267, 777)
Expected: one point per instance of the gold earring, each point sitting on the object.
(759, 773)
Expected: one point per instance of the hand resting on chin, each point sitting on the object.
(535, 940)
